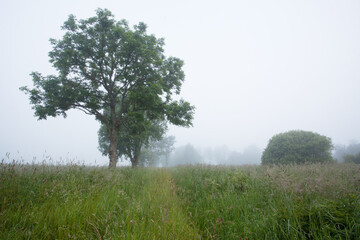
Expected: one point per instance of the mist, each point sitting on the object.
(253, 69)
(220, 155)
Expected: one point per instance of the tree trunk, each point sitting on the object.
(113, 148)
(135, 158)
(135, 161)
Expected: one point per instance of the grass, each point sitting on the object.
(289, 202)
(201, 202)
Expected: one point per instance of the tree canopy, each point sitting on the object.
(103, 64)
(297, 147)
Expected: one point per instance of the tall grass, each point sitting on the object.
(42, 202)
(72, 202)
(78, 202)
(287, 202)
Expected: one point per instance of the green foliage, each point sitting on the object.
(349, 158)
(297, 147)
(103, 64)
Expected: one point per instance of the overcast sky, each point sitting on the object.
(253, 69)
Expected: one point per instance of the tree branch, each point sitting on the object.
(90, 111)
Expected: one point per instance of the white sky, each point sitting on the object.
(253, 69)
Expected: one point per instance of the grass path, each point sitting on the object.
(159, 211)
(85, 203)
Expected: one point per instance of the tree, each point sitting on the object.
(166, 146)
(157, 152)
(186, 155)
(104, 64)
(342, 150)
(132, 138)
(297, 147)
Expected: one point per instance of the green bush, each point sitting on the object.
(297, 147)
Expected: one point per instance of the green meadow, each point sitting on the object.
(187, 202)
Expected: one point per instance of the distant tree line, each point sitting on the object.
(347, 153)
(188, 154)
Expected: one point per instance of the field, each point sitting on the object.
(198, 202)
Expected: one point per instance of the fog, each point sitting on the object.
(220, 155)
(253, 69)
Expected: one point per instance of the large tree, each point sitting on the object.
(104, 64)
(297, 147)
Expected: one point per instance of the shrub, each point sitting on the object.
(297, 147)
